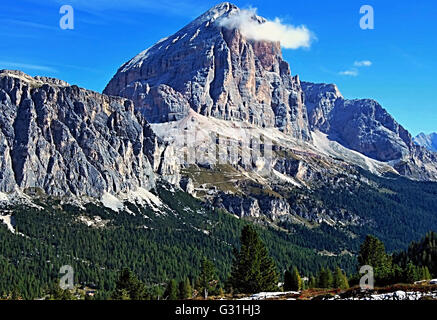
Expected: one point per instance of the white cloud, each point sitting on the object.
(290, 37)
(350, 73)
(364, 63)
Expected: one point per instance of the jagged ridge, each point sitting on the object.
(70, 141)
(216, 72)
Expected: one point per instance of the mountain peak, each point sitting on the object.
(429, 141)
(222, 8)
(213, 68)
(217, 12)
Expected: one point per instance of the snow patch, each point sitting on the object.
(195, 35)
(269, 295)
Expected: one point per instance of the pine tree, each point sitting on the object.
(129, 287)
(411, 273)
(312, 282)
(185, 291)
(253, 270)
(171, 293)
(287, 281)
(325, 279)
(207, 277)
(372, 253)
(340, 280)
(294, 281)
(426, 275)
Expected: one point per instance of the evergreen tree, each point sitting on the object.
(294, 281)
(372, 253)
(287, 280)
(340, 280)
(411, 273)
(55, 293)
(422, 253)
(253, 270)
(325, 279)
(207, 277)
(171, 293)
(426, 275)
(128, 287)
(185, 291)
(312, 282)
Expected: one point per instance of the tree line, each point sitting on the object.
(253, 270)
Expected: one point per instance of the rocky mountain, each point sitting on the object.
(68, 141)
(200, 130)
(229, 124)
(365, 126)
(216, 72)
(428, 141)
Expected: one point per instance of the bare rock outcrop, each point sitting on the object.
(66, 140)
(217, 72)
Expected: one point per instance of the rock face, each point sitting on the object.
(361, 125)
(70, 141)
(218, 73)
(428, 141)
(320, 99)
(365, 126)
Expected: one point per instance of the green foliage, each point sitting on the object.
(292, 280)
(128, 287)
(158, 246)
(407, 266)
(253, 270)
(372, 253)
(312, 282)
(206, 282)
(410, 274)
(325, 279)
(185, 289)
(422, 253)
(171, 293)
(397, 210)
(56, 293)
(340, 280)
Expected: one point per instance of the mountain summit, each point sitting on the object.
(212, 69)
(217, 72)
(428, 141)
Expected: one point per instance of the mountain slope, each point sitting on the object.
(157, 245)
(88, 181)
(216, 72)
(365, 126)
(69, 141)
(429, 141)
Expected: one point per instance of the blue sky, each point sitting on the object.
(402, 48)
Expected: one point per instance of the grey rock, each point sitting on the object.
(365, 126)
(216, 72)
(66, 140)
(429, 141)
